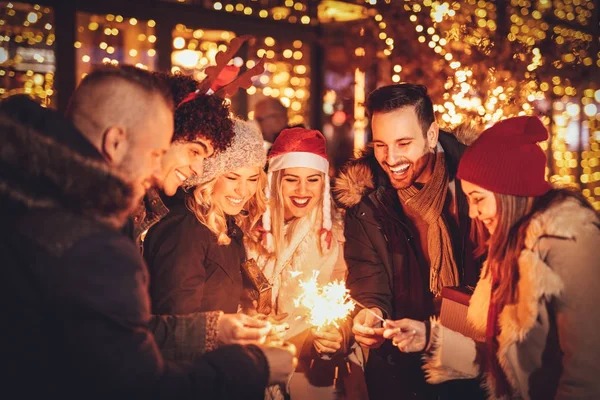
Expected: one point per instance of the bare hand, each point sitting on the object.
(278, 327)
(282, 362)
(367, 328)
(242, 329)
(406, 334)
(328, 339)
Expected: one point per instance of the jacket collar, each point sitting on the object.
(152, 209)
(40, 169)
(363, 175)
(537, 280)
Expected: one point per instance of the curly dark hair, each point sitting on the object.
(207, 116)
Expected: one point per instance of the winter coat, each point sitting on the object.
(296, 263)
(548, 346)
(383, 266)
(179, 337)
(189, 271)
(75, 289)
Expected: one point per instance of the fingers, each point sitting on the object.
(403, 337)
(326, 346)
(251, 322)
(333, 336)
(398, 333)
(360, 329)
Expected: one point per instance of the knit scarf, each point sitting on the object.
(429, 203)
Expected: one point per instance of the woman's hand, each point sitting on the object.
(328, 340)
(242, 329)
(406, 334)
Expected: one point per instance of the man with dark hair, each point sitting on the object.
(77, 287)
(407, 230)
(203, 127)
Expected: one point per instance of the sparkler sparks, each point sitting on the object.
(328, 304)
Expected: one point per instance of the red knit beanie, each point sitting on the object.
(506, 158)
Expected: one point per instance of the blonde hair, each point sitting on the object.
(282, 235)
(200, 203)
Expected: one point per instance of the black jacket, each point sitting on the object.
(383, 266)
(75, 289)
(189, 271)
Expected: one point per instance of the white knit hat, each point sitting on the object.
(246, 150)
(299, 147)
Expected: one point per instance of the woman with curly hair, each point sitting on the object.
(194, 254)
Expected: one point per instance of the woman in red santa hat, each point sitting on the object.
(303, 233)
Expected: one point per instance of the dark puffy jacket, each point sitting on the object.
(383, 266)
(189, 271)
(75, 289)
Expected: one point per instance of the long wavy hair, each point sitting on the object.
(210, 214)
(282, 235)
(504, 247)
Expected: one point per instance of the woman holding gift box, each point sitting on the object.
(537, 299)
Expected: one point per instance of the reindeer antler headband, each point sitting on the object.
(243, 81)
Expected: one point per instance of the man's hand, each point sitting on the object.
(242, 329)
(367, 328)
(328, 340)
(406, 334)
(282, 362)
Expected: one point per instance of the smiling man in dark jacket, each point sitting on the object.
(76, 286)
(407, 230)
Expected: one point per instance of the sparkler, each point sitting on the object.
(328, 304)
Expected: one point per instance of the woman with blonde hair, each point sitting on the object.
(303, 236)
(536, 303)
(195, 253)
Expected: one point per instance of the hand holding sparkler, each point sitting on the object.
(406, 334)
(328, 340)
(242, 329)
(367, 327)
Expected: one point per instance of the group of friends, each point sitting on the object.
(126, 223)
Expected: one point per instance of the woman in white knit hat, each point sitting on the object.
(303, 234)
(195, 253)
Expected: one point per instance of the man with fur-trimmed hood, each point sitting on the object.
(75, 287)
(407, 231)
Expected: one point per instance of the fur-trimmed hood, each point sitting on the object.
(361, 175)
(38, 171)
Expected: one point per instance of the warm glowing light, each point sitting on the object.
(573, 109)
(326, 305)
(32, 17)
(590, 110)
(179, 43)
